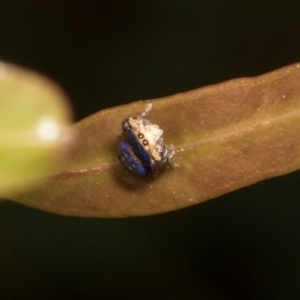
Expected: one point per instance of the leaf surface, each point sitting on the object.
(227, 136)
(34, 121)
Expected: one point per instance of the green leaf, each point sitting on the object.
(227, 136)
(33, 128)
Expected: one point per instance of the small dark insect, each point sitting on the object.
(142, 151)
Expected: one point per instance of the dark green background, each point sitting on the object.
(244, 245)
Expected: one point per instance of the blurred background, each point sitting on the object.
(244, 245)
